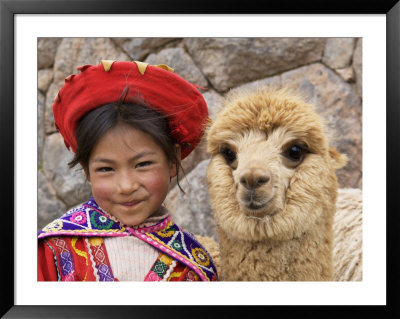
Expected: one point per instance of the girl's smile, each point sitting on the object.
(131, 204)
(129, 174)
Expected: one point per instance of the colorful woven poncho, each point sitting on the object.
(71, 248)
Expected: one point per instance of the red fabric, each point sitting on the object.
(183, 273)
(47, 269)
(162, 90)
(46, 265)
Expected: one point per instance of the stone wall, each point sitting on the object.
(327, 70)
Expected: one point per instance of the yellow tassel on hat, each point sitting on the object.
(107, 64)
(142, 66)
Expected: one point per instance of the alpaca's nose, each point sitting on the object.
(253, 178)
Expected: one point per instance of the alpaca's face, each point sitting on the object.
(272, 173)
(262, 167)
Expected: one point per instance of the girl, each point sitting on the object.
(129, 125)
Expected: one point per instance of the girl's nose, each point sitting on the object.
(127, 184)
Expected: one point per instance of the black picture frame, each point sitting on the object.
(8, 10)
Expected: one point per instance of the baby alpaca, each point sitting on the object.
(273, 188)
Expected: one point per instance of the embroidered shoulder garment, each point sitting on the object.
(76, 247)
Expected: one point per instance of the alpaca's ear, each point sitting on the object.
(338, 160)
(209, 122)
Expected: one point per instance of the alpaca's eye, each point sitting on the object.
(229, 155)
(295, 153)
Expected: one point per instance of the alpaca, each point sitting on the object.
(273, 188)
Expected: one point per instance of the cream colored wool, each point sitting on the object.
(130, 258)
(347, 243)
(290, 238)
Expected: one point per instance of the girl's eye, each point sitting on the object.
(229, 155)
(104, 169)
(144, 164)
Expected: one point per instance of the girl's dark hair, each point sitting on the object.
(100, 120)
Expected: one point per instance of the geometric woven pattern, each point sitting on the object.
(90, 223)
(181, 246)
(87, 219)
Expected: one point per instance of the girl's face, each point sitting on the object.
(130, 174)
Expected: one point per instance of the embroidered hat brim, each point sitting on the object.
(159, 88)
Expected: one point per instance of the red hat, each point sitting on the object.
(160, 88)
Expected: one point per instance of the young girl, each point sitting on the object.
(129, 125)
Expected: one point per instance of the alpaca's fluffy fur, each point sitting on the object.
(273, 213)
(347, 237)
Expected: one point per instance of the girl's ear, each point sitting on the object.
(86, 170)
(173, 169)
